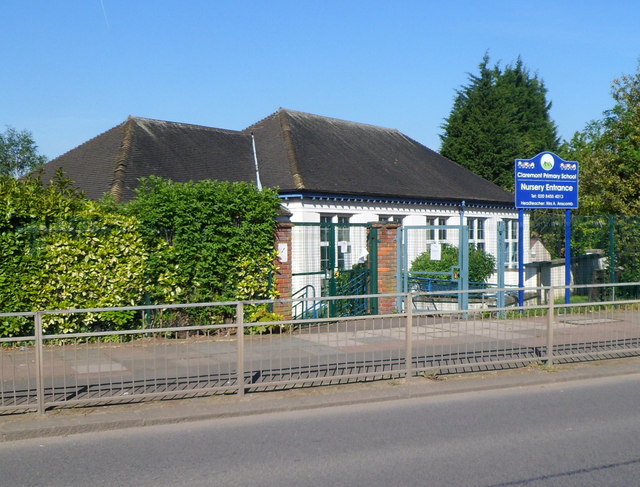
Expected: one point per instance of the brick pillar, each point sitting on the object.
(387, 264)
(283, 264)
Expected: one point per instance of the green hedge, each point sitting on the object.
(217, 236)
(193, 242)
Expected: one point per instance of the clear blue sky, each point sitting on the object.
(75, 68)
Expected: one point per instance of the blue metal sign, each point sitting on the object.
(546, 181)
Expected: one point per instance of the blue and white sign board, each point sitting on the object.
(546, 181)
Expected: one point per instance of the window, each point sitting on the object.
(325, 232)
(436, 235)
(343, 236)
(476, 232)
(341, 246)
(390, 219)
(512, 243)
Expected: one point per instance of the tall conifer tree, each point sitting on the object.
(499, 116)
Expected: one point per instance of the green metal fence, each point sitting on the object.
(604, 248)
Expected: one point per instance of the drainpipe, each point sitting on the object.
(255, 162)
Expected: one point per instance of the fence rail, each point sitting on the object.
(175, 355)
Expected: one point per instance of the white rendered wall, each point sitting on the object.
(310, 210)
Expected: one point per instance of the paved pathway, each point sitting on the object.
(83, 420)
(333, 353)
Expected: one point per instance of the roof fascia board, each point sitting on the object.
(376, 199)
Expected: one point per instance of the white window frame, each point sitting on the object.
(477, 232)
(511, 239)
(342, 234)
(390, 219)
(441, 234)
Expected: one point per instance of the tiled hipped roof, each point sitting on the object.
(113, 161)
(297, 152)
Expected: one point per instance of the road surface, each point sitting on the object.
(583, 433)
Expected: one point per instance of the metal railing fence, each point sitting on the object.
(605, 248)
(176, 354)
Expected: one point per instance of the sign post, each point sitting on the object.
(567, 256)
(547, 181)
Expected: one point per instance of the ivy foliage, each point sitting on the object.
(481, 264)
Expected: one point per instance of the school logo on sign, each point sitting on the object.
(547, 161)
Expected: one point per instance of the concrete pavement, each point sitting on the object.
(82, 420)
(92, 372)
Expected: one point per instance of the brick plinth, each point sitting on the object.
(387, 264)
(283, 264)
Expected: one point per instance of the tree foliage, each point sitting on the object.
(481, 264)
(609, 154)
(499, 116)
(608, 151)
(18, 153)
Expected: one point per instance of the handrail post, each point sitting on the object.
(408, 356)
(550, 317)
(39, 362)
(240, 339)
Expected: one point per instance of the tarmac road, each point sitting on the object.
(553, 433)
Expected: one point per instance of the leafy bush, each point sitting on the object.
(193, 242)
(481, 264)
(27, 202)
(96, 261)
(261, 314)
(217, 236)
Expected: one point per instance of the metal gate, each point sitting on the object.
(436, 243)
(334, 259)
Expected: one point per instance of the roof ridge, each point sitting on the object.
(121, 162)
(271, 115)
(334, 119)
(157, 121)
(290, 148)
(289, 111)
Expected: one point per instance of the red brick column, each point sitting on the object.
(283, 264)
(387, 264)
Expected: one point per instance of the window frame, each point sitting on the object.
(477, 232)
(435, 221)
(511, 240)
(341, 234)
